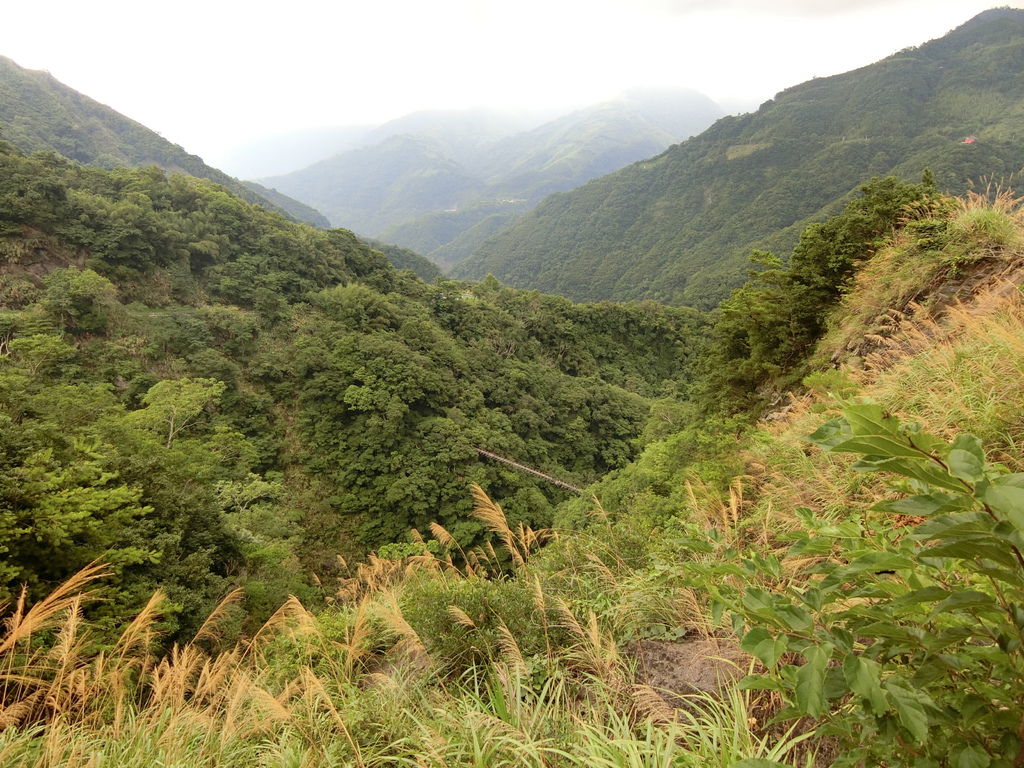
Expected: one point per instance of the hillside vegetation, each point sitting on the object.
(403, 258)
(853, 559)
(38, 113)
(268, 500)
(678, 227)
(208, 394)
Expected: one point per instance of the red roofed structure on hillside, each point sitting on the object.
(969, 140)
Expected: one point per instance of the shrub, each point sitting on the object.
(462, 622)
(908, 646)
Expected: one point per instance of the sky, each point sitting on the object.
(211, 75)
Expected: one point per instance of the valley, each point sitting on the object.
(707, 450)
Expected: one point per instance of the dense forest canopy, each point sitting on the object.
(267, 498)
(202, 417)
(235, 388)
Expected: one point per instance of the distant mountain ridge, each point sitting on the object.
(432, 177)
(38, 113)
(285, 153)
(678, 227)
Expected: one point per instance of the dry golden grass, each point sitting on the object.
(954, 366)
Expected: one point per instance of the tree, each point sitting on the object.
(171, 406)
(80, 301)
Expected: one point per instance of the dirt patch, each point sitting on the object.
(678, 669)
(926, 310)
(34, 255)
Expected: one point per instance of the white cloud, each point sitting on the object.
(776, 7)
(212, 73)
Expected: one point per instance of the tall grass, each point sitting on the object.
(343, 690)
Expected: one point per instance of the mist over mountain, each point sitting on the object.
(679, 227)
(456, 130)
(283, 153)
(37, 113)
(371, 188)
(462, 134)
(433, 176)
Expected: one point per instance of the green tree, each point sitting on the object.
(174, 405)
(80, 300)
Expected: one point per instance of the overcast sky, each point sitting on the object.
(213, 74)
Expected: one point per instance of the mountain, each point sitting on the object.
(559, 155)
(284, 153)
(403, 258)
(433, 176)
(190, 454)
(592, 142)
(371, 188)
(462, 134)
(401, 169)
(288, 205)
(679, 227)
(37, 113)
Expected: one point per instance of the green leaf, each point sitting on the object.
(795, 617)
(967, 459)
(812, 546)
(810, 682)
(760, 683)
(924, 595)
(923, 505)
(909, 710)
(760, 603)
(717, 609)
(870, 419)
(847, 530)
(925, 442)
(830, 433)
(877, 445)
(972, 757)
(956, 526)
(970, 550)
(864, 678)
(760, 643)
(756, 762)
(1006, 499)
(870, 561)
(966, 599)
(973, 708)
(923, 470)
(1016, 480)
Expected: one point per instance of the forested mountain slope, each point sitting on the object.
(432, 176)
(207, 393)
(38, 113)
(679, 227)
(373, 187)
(250, 513)
(403, 258)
